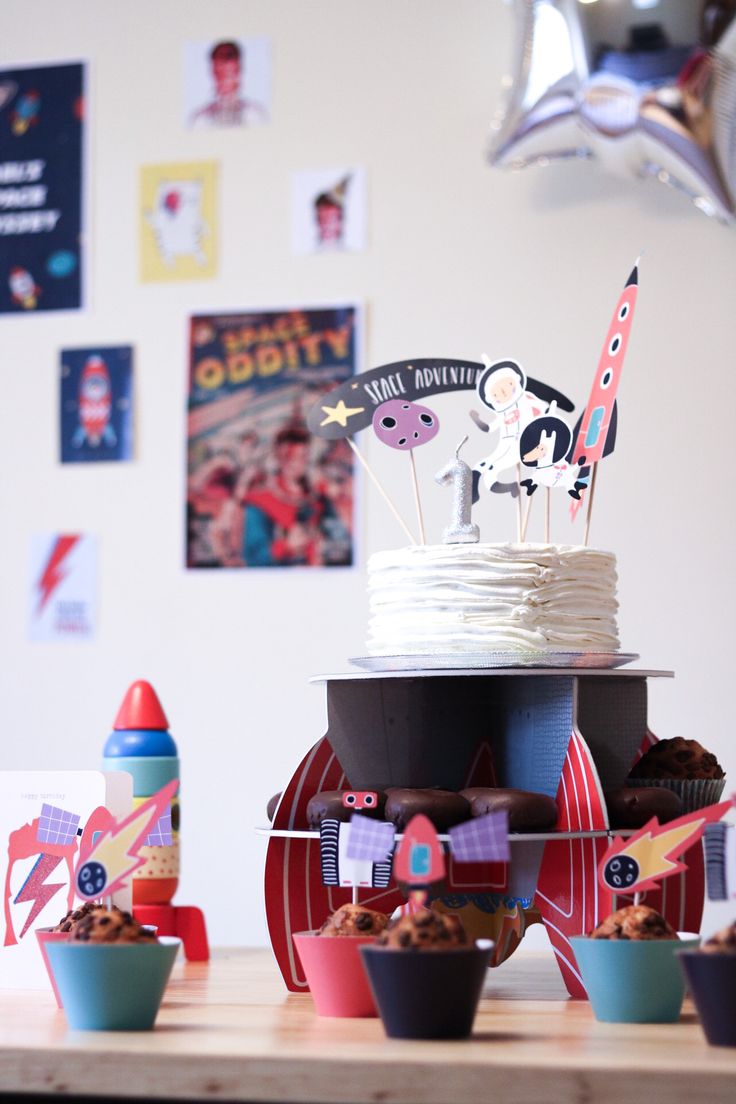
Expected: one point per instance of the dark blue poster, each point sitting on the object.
(96, 404)
(41, 140)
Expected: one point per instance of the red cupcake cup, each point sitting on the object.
(335, 974)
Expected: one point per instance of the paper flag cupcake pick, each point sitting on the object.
(644, 859)
(109, 851)
(482, 839)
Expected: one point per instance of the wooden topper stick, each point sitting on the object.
(530, 499)
(420, 516)
(519, 526)
(547, 498)
(590, 505)
(377, 483)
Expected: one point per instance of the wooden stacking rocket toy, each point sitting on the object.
(141, 744)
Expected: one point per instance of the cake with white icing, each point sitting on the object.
(476, 598)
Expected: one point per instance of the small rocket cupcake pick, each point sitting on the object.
(405, 425)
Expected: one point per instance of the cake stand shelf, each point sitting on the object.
(568, 732)
(514, 837)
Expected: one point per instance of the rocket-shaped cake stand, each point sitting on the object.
(570, 733)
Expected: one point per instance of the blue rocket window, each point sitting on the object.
(594, 426)
(419, 860)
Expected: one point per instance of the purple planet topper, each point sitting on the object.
(404, 425)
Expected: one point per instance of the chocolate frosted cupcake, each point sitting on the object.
(685, 767)
(629, 967)
(426, 976)
(332, 964)
(711, 976)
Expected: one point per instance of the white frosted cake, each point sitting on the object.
(475, 598)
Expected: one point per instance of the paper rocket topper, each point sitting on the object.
(592, 432)
(141, 709)
(644, 859)
(109, 851)
(419, 859)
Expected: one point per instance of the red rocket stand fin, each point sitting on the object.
(141, 709)
(568, 895)
(184, 921)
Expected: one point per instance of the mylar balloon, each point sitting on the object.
(646, 86)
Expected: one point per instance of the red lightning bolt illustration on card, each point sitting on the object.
(644, 859)
(54, 572)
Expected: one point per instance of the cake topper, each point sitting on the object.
(594, 435)
(341, 868)
(545, 448)
(419, 860)
(719, 842)
(640, 862)
(109, 851)
(405, 425)
(461, 529)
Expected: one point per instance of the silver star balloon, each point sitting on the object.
(646, 86)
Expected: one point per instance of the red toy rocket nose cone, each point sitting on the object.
(141, 709)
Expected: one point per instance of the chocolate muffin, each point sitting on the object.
(527, 811)
(69, 922)
(329, 805)
(634, 922)
(272, 806)
(351, 920)
(633, 807)
(443, 808)
(424, 930)
(677, 759)
(103, 925)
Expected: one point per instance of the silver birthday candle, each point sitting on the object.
(461, 529)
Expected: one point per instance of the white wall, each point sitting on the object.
(462, 259)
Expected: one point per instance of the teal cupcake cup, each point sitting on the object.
(112, 986)
(633, 981)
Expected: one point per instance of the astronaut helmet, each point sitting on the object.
(502, 384)
(553, 434)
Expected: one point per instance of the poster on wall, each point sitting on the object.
(262, 491)
(227, 83)
(178, 221)
(41, 153)
(328, 210)
(95, 404)
(63, 582)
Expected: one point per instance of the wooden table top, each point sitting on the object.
(228, 1030)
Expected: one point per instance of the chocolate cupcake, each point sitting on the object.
(426, 976)
(332, 805)
(629, 967)
(332, 964)
(683, 766)
(711, 976)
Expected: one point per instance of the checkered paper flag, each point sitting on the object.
(483, 839)
(56, 825)
(369, 840)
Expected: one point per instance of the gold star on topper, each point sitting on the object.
(340, 413)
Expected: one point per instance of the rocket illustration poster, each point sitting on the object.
(328, 210)
(178, 221)
(262, 490)
(41, 212)
(96, 404)
(63, 582)
(43, 816)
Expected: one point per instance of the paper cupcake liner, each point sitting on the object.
(694, 793)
